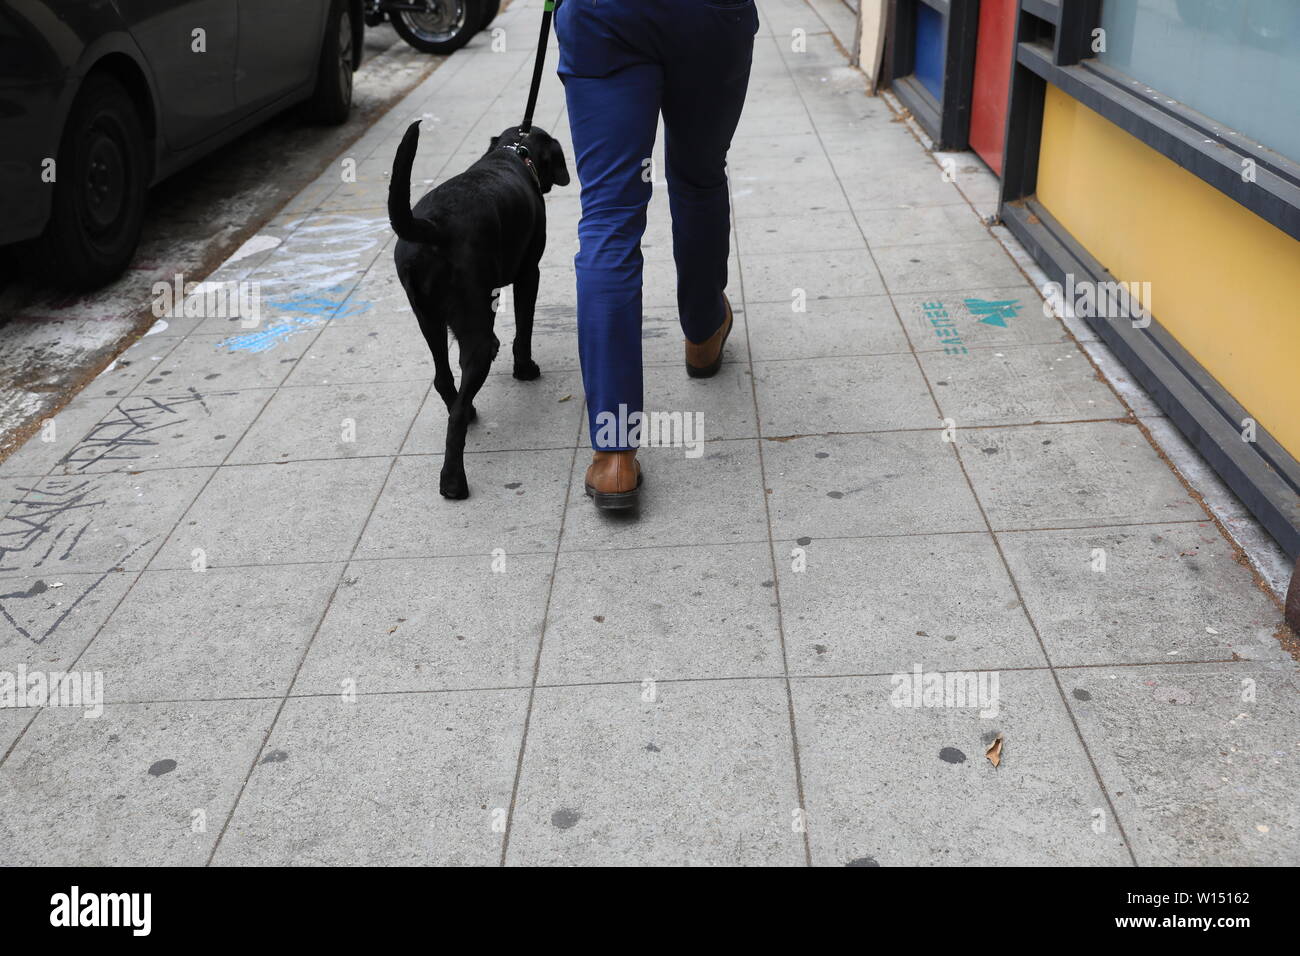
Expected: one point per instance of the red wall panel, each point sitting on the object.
(988, 118)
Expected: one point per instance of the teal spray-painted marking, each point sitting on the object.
(994, 313)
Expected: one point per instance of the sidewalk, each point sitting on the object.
(366, 673)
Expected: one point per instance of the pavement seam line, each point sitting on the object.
(767, 515)
(636, 682)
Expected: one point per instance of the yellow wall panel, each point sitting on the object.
(1225, 283)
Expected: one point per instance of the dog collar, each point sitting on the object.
(522, 153)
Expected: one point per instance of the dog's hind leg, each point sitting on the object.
(525, 304)
(475, 360)
(435, 333)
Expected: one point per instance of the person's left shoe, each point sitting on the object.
(614, 480)
(704, 360)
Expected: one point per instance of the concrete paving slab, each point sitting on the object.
(754, 197)
(851, 485)
(92, 522)
(725, 505)
(944, 267)
(1071, 476)
(332, 421)
(891, 784)
(684, 613)
(362, 354)
(512, 415)
(701, 774)
(1141, 595)
(911, 598)
(39, 456)
(816, 232)
(807, 159)
(220, 634)
(47, 619)
(12, 722)
(723, 406)
(1019, 385)
(431, 624)
(408, 780)
(916, 225)
(879, 186)
(166, 428)
(515, 503)
(284, 518)
(1200, 759)
(1134, 395)
(863, 325)
(141, 785)
(130, 368)
(857, 394)
(1009, 315)
(239, 360)
(810, 275)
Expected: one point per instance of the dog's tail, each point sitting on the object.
(406, 225)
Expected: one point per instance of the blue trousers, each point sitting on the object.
(622, 63)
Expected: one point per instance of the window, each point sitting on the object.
(1235, 61)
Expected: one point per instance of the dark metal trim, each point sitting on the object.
(1074, 28)
(1049, 10)
(919, 102)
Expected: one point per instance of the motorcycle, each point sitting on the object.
(433, 26)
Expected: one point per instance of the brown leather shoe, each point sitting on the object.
(614, 479)
(704, 360)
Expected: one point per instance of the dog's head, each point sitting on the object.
(539, 146)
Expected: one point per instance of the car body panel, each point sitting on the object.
(191, 47)
(48, 47)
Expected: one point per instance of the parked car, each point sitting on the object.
(100, 99)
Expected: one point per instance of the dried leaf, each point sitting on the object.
(565, 398)
(994, 753)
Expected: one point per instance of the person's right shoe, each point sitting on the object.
(613, 480)
(704, 360)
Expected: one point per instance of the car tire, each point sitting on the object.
(331, 103)
(101, 182)
(490, 10)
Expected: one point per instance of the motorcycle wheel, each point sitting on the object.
(490, 10)
(444, 27)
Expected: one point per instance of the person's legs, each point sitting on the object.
(613, 95)
(704, 92)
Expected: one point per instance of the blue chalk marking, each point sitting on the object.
(307, 312)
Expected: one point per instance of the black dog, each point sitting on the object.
(478, 232)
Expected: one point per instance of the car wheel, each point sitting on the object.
(101, 179)
(490, 10)
(332, 101)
